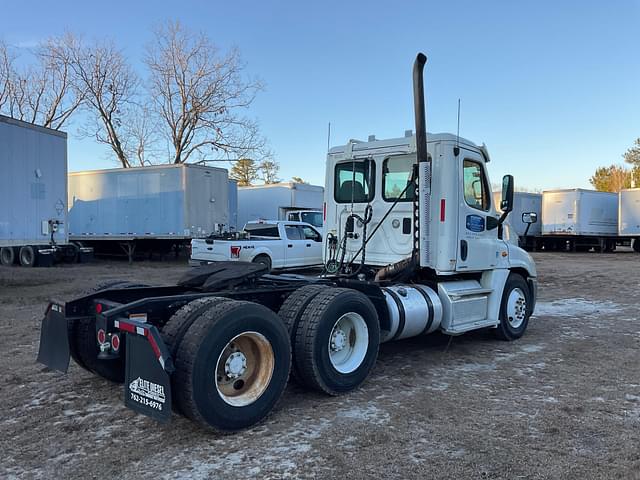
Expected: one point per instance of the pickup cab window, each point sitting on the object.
(293, 232)
(354, 181)
(262, 230)
(310, 234)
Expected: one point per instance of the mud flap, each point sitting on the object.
(54, 339)
(147, 386)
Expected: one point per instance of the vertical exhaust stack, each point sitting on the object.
(419, 108)
(422, 170)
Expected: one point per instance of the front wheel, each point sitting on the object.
(515, 308)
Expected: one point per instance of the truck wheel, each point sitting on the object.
(290, 313)
(514, 309)
(7, 256)
(232, 366)
(84, 345)
(636, 245)
(175, 329)
(27, 256)
(337, 341)
(264, 260)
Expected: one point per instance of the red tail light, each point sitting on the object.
(235, 251)
(442, 209)
(98, 308)
(102, 336)
(115, 342)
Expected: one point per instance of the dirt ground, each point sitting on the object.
(562, 402)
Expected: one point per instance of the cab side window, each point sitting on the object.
(476, 190)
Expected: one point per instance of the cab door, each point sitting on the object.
(477, 224)
(295, 246)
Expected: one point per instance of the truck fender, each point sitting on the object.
(261, 251)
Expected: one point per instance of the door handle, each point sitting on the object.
(464, 250)
(290, 246)
(308, 244)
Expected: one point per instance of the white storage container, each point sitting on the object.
(579, 212)
(629, 212)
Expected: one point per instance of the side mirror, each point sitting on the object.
(529, 217)
(506, 205)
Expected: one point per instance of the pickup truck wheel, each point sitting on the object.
(27, 256)
(232, 366)
(290, 313)
(264, 260)
(7, 256)
(337, 341)
(83, 344)
(514, 309)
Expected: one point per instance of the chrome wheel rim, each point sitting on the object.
(244, 369)
(516, 308)
(348, 342)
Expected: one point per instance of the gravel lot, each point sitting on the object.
(562, 402)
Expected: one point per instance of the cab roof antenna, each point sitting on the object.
(456, 149)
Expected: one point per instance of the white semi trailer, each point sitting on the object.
(414, 246)
(629, 216)
(33, 195)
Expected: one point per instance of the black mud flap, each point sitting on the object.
(54, 339)
(147, 386)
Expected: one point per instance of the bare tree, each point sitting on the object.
(140, 135)
(109, 84)
(269, 171)
(6, 72)
(200, 93)
(42, 92)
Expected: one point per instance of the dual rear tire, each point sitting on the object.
(335, 335)
(27, 256)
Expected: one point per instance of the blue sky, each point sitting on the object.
(552, 88)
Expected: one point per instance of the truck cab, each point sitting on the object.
(463, 228)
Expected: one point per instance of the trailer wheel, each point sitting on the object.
(7, 256)
(337, 341)
(232, 366)
(27, 256)
(636, 245)
(264, 260)
(83, 344)
(515, 308)
(290, 313)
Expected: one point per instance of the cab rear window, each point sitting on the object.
(261, 230)
(355, 181)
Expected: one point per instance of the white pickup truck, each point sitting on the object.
(277, 244)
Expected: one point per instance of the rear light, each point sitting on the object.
(102, 336)
(98, 308)
(324, 211)
(115, 342)
(235, 251)
(443, 205)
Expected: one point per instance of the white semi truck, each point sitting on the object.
(413, 246)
